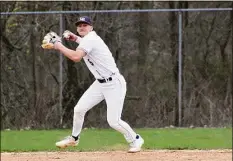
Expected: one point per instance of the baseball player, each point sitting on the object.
(109, 85)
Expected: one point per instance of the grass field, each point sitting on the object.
(108, 139)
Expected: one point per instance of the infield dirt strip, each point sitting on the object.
(156, 155)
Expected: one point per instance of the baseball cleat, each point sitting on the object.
(68, 141)
(136, 145)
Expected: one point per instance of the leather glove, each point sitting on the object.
(49, 40)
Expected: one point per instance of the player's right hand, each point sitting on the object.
(67, 35)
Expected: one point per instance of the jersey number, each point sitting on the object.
(90, 62)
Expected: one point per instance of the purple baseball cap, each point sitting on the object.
(84, 19)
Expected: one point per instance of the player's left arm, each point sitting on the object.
(75, 55)
(53, 41)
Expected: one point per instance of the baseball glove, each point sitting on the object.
(49, 40)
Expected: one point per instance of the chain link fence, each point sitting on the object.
(177, 64)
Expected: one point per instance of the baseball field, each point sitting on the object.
(167, 144)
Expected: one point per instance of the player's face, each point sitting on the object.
(83, 29)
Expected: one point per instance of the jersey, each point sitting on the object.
(98, 58)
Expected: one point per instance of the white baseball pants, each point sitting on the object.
(114, 94)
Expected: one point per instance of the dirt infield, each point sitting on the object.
(156, 155)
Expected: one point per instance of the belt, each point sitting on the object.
(105, 80)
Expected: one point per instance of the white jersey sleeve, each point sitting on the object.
(86, 45)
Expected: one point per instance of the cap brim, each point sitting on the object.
(78, 22)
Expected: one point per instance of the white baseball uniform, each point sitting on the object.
(109, 85)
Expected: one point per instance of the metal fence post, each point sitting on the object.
(60, 73)
(180, 69)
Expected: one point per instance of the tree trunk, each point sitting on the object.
(32, 39)
(143, 43)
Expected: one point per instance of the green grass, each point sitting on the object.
(108, 139)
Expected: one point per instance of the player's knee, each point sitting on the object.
(113, 123)
(80, 108)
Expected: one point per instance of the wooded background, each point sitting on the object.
(145, 47)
